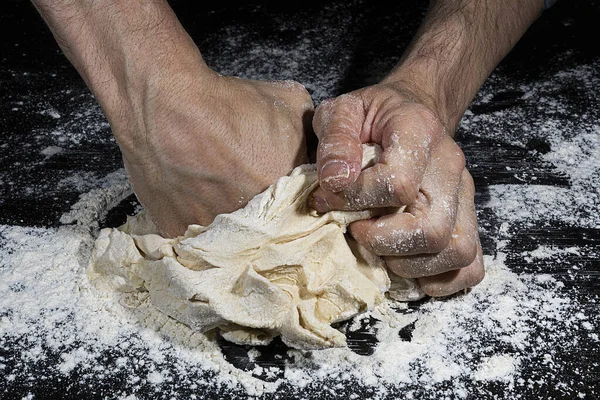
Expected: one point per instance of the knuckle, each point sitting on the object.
(476, 274)
(429, 118)
(297, 86)
(344, 103)
(335, 146)
(460, 160)
(325, 106)
(467, 179)
(465, 249)
(437, 235)
(322, 116)
(304, 98)
(454, 157)
(402, 188)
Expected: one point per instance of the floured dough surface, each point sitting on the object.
(271, 268)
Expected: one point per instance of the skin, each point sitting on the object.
(197, 144)
(413, 114)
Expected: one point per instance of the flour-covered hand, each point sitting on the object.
(429, 230)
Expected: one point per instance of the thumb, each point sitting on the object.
(338, 123)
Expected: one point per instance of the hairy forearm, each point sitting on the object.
(119, 47)
(458, 45)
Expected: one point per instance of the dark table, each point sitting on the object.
(333, 47)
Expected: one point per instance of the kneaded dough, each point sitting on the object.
(271, 268)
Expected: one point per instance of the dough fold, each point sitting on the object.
(271, 268)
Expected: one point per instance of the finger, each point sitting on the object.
(461, 250)
(378, 186)
(406, 139)
(454, 281)
(338, 123)
(425, 225)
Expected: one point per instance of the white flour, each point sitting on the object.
(55, 331)
(276, 269)
(47, 308)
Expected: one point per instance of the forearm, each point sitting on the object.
(458, 45)
(119, 47)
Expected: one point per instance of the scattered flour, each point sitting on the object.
(497, 367)
(50, 316)
(51, 151)
(57, 334)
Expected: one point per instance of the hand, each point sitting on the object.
(205, 146)
(430, 231)
(195, 143)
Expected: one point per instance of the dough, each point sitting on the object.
(272, 268)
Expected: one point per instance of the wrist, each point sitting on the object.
(456, 48)
(175, 106)
(444, 66)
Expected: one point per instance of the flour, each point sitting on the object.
(93, 206)
(47, 307)
(513, 336)
(272, 268)
(496, 367)
(54, 328)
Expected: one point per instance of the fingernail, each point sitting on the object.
(318, 204)
(334, 175)
(321, 205)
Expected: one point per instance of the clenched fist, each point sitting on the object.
(429, 227)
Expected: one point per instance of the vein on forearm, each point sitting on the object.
(458, 45)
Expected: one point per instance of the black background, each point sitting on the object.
(32, 66)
